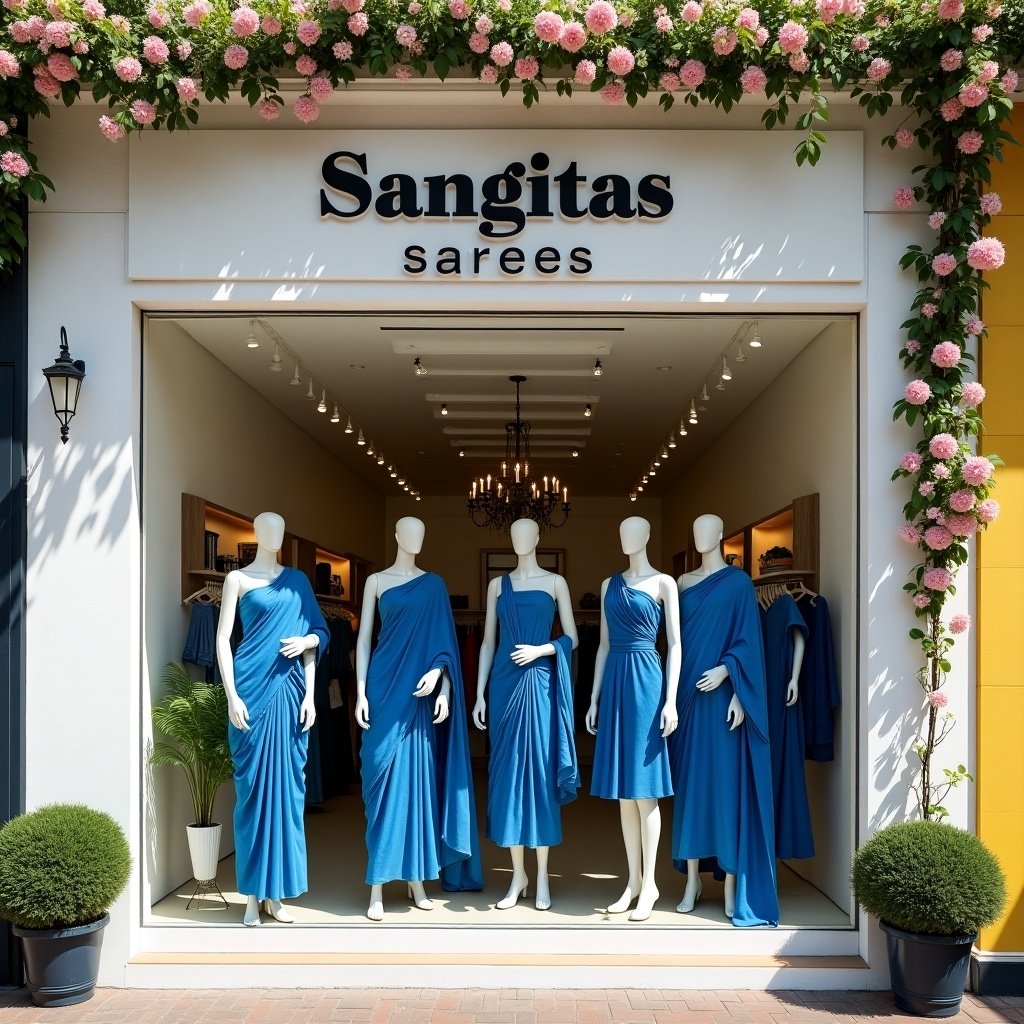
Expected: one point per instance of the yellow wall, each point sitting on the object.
(1000, 769)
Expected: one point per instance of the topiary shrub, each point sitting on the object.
(60, 866)
(929, 878)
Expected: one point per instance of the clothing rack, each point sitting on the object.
(334, 608)
(788, 581)
(208, 593)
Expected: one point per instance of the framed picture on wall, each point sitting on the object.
(501, 561)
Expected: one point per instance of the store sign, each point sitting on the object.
(643, 206)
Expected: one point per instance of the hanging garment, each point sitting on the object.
(723, 792)
(201, 643)
(532, 767)
(631, 759)
(793, 835)
(417, 783)
(270, 843)
(819, 684)
(586, 654)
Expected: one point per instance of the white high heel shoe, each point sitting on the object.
(685, 905)
(512, 898)
(275, 908)
(424, 904)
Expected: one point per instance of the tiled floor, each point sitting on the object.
(479, 1006)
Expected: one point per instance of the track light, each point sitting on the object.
(444, 409)
(741, 356)
(598, 368)
(309, 393)
(251, 341)
(418, 368)
(392, 472)
(588, 411)
(322, 407)
(652, 472)
(275, 362)
(575, 453)
(664, 453)
(755, 341)
(672, 439)
(401, 481)
(296, 381)
(656, 462)
(682, 428)
(693, 411)
(335, 417)
(704, 397)
(369, 447)
(726, 372)
(380, 459)
(643, 479)
(406, 488)
(360, 440)
(348, 426)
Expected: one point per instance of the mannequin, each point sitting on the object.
(270, 693)
(721, 760)
(533, 768)
(413, 778)
(638, 710)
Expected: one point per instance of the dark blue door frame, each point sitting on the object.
(13, 433)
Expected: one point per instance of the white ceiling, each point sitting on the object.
(653, 366)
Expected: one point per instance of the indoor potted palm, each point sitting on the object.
(932, 887)
(61, 868)
(193, 716)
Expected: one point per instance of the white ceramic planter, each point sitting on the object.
(204, 846)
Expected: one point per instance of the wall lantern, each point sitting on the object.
(65, 379)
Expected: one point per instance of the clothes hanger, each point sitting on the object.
(208, 593)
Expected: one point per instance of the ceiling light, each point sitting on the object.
(588, 412)
(309, 393)
(275, 362)
(406, 487)
(417, 497)
(643, 479)
(640, 487)
(369, 447)
(726, 372)
(322, 407)
(575, 453)
(336, 417)
(720, 386)
(693, 411)
(656, 462)
(652, 472)
(664, 453)
(741, 356)
(295, 378)
(632, 495)
(418, 368)
(672, 439)
(704, 397)
(444, 409)
(682, 428)
(598, 368)
(251, 341)
(357, 366)
(462, 453)
(380, 459)
(348, 426)
(392, 472)
(663, 368)
(755, 341)
(360, 440)
(401, 481)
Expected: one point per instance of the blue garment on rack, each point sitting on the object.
(201, 643)
(631, 759)
(532, 768)
(270, 841)
(723, 801)
(819, 684)
(793, 834)
(417, 781)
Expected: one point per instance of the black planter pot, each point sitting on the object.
(928, 972)
(62, 964)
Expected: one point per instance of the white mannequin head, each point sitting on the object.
(707, 532)
(634, 533)
(269, 529)
(409, 532)
(525, 535)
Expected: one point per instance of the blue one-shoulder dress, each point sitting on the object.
(631, 759)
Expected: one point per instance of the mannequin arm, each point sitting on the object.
(238, 714)
(793, 690)
(443, 703)
(599, 663)
(712, 679)
(293, 646)
(307, 712)
(363, 650)
(670, 600)
(487, 645)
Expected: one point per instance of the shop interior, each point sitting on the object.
(344, 423)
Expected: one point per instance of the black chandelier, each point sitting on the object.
(498, 501)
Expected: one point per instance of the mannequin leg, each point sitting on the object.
(730, 895)
(517, 887)
(629, 814)
(275, 908)
(376, 908)
(693, 887)
(252, 912)
(650, 836)
(543, 901)
(419, 896)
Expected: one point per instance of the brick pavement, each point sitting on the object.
(487, 1006)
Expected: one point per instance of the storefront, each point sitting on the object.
(655, 247)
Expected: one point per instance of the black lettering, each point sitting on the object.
(612, 198)
(650, 190)
(397, 197)
(511, 261)
(449, 264)
(347, 183)
(540, 187)
(478, 255)
(414, 255)
(580, 263)
(543, 260)
(437, 195)
(568, 183)
(501, 193)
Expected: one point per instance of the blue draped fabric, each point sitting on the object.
(533, 768)
(819, 684)
(723, 804)
(631, 759)
(270, 788)
(417, 782)
(793, 835)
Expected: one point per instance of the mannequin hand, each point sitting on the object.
(307, 713)
(440, 708)
(792, 692)
(735, 715)
(592, 719)
(238, 714)
(712, 679)
(428, 681)
(362, 712)
(293, 646)
(480, 714)
(524, 654)
(669, 719)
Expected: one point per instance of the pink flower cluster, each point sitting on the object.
(879, 69)
(244, 21)
(903, 198)
(236, 56)
(613, 92)
(986, 254)
(724, 41)
(988, 510)
(306, 109)
(938, 538)
(977, 470)
(358, 24)
(753, 79)
(155, 50)
(946, 354)
(990, 204)
(909, 533)
(620, 61)
(128, 69)
(308, 31)
(574, 35)
(950, 10)
(917, 392)
(549, 26)
(973, 94)
(951, 109)
(143, 111)
(944, 446)
(692, 74)
(527, 68)
(187, 89)
(14, 163)
(936, 220)
(601, 17)
(748, 18)
(111, 129)
(960, 623)
(586, 72)
(691, 12)
(9, 66)
(937, 699)
(944, 264)
(951, 60)
(972, 394)
(502, 54)
(970, 142)
(937, 578)
(962, 500)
